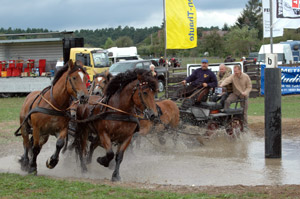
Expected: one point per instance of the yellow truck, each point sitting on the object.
(93, 59)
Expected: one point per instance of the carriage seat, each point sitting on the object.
(234, 111)
(211, 105)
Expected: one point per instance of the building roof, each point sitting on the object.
(11, 41)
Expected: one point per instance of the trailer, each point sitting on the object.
(21, 86)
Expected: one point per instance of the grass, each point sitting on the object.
(10, 108)
(17, 186)
(290, 106)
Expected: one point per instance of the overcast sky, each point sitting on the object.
(59, 15)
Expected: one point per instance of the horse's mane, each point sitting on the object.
(61, 71)
(122, 79)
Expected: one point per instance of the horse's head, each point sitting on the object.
(76, 81)
(100, 82)
(144, 93)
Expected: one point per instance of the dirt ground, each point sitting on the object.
(290, 128)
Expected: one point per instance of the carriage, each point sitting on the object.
(211, 114)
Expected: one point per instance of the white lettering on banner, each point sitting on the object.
(290, 70)
(296, 79)
(190, 16)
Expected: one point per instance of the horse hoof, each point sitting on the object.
(84, 170)
(88, 160)
(32, 170)
(162, 140)
(24, 163)
(51, 163)
(103, 161)
(115, 178)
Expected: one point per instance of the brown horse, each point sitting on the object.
(168, 118)
(46, 113)
(127, 95)
(99, 83)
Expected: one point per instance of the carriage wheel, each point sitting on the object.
(235, 126)
(212, 126)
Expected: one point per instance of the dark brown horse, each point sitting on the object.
(127, 94)
(46, 113)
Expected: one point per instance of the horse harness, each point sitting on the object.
(112, 115)
(54, 111)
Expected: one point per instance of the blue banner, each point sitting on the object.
(290, 80)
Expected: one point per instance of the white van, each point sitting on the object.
(284, 52)
(116, 54)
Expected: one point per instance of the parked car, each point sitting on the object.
(123, 66)
(252, 58)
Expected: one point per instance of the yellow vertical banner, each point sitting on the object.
(181, 24)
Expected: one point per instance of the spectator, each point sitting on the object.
(241, 88)
(223, 73)
(161, 61)
(229, 59)
(154, 73)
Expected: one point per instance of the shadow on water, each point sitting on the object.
(183, 160)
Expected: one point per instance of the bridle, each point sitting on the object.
(140, 86)
(68, 79)
(98, 85)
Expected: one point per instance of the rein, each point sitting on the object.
(54, 107)
(116, 109)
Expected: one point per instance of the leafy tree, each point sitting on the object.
(109, 43)
(241, 41)
(124, 41)
(225, 27)
(213, 43)
(252, 17)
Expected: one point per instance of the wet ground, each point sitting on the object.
(181, 160)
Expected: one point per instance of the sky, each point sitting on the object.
(70, 15)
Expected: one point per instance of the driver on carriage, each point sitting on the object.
(201, 80)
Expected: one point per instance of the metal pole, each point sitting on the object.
(165, 55)
(271, 26)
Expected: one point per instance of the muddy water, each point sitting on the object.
(183, 161)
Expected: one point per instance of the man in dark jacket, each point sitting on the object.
(201, 77)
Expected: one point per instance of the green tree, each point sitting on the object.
(241, 41)
(252, 17)
(109, 43)
(213, 43)
(124, 41)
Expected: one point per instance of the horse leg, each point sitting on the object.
(24, 160)
(36, 148)
(27, 144)
(82, 150)
(106, 143)
(53, 160)
(119, 158)
(93, 146)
